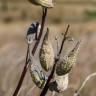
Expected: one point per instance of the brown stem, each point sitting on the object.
(64, 38)
(41, 31)
(33, 52)
(45, 89)
(22, 76)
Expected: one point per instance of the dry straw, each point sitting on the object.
(84, 83)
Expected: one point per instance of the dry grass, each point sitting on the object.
(12, 56)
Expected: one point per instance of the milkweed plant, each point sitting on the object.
(56, 65)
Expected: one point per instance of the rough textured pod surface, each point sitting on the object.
(64, 66)
(43, 3)
(46, 54)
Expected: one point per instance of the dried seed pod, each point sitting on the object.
(59, 84)
(33, 32)
(65, 65)
(38, 76)
(46, 54)
(44, 3)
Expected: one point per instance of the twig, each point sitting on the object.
(53, 93)
(57, 44)
(22, 75)
(41, 30)
(24, 87)
(83, 84)
(30, 90)
(33, 52)
(45, 89)
(64, 38)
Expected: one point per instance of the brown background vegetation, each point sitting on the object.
(15, 18)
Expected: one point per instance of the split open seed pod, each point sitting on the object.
(46, 54)
(60, 83)
(64, 66)
(38, 77)
(43, 3)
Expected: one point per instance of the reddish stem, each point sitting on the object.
(33, 52)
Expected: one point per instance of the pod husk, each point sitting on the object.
(43, 3)
(46, 54)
